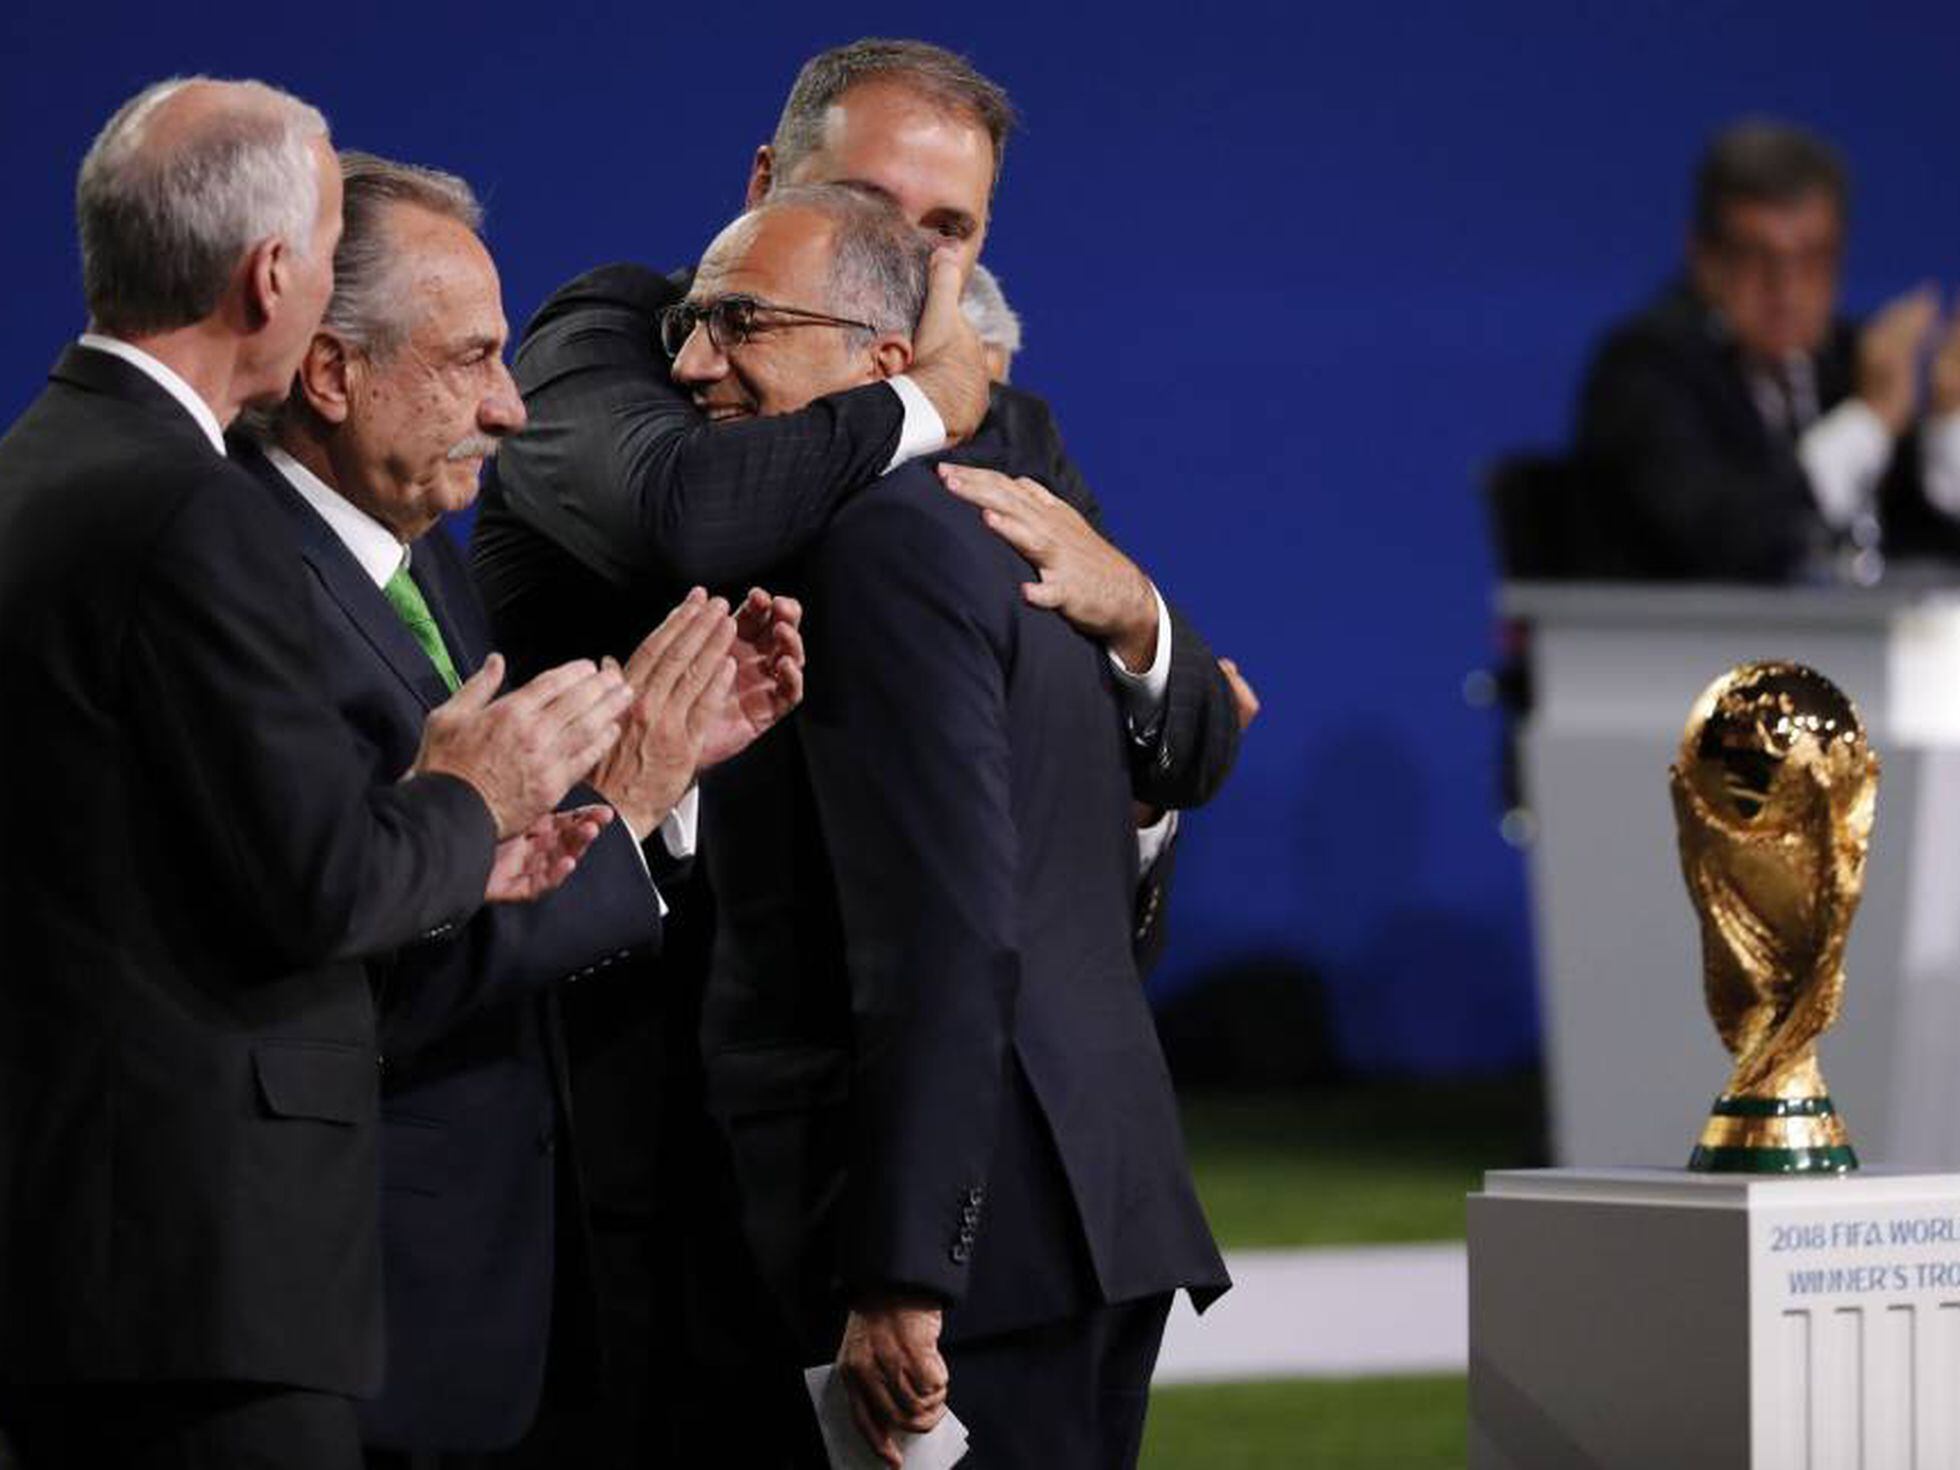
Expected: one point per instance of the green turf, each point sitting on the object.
(1362, 1424)
(1373, 1163)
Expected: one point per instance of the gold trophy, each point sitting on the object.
(1774, 792)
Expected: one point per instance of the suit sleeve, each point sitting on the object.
(312, 861)
(606, 912)
(661, 492)
(905, 734)
(1642, 426)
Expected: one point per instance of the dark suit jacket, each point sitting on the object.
(924, 1030)
(187, 1049)
(470, 1116)
(1682, 478)
(618, 475)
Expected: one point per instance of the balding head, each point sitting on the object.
(187, 178)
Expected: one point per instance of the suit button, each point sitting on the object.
(548, 1141)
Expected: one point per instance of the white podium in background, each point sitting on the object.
(1646, 1319)
(1632, 1059)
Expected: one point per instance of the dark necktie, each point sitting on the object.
(407, 601)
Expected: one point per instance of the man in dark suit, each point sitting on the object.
(924, 1032)
(1739, 429)
(188, 1262)
(401, 396)
(621, 495)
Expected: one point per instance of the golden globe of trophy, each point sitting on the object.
(1774, 791)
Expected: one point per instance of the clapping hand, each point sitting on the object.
(768, 675)
(539, 859)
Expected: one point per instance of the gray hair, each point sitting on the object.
(878, 262)
(164, 221)
(370, 307)
(986, 308)
(941, 77)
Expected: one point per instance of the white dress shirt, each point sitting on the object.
(162, 375)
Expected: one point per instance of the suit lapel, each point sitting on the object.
(350, 587)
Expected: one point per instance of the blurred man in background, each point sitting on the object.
(1739, 429)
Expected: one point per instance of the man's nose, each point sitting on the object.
(699, 360)
(502, 409)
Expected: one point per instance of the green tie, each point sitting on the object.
(406, 599)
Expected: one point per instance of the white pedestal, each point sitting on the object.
(1632, 1059)
(1648, 1319)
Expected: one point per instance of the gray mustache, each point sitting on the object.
(476, 446)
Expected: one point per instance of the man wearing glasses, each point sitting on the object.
(621, 494)
(1738, 429)
(957, 1146)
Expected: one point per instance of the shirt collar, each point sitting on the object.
(370, 543)
(161, 374)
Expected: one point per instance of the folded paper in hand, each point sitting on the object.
(943, 1445)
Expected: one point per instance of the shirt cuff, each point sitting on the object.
(924, 431)
(1152, 840)
(1843, 454)
(1940, 462)
(1143, 694)
(633, 840)
(678, 827)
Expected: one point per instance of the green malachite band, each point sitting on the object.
(1836, 1160)
(1773, 1107)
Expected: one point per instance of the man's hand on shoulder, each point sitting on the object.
(948, 364)
(1081, 576)
(892, 1370)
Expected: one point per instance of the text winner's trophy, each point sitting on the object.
(1774, 790)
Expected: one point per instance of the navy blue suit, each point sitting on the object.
(471, 1117)
(924, 1030)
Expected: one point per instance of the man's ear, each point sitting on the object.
(264, 277)
(324, 375)
(890, 355)
(762, 174)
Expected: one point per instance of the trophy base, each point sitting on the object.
(1773, 1135)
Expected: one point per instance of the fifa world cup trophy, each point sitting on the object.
(1774, 793)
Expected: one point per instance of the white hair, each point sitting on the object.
(984, 305)
(164, 221)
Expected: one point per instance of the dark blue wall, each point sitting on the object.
(1289, 274)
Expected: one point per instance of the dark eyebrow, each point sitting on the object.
(869, 189)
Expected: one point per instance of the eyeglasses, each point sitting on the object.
(733, 320)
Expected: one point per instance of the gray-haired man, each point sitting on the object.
(400, 397)
(188, 1265)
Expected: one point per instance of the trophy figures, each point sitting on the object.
(1774, 790)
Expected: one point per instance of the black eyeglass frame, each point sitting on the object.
(732, 320)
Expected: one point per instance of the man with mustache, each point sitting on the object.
(188, 1264)
(400, 398)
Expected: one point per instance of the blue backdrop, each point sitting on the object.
(1289, 277)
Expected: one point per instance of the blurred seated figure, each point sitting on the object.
(1738, 429)
(995, 322)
